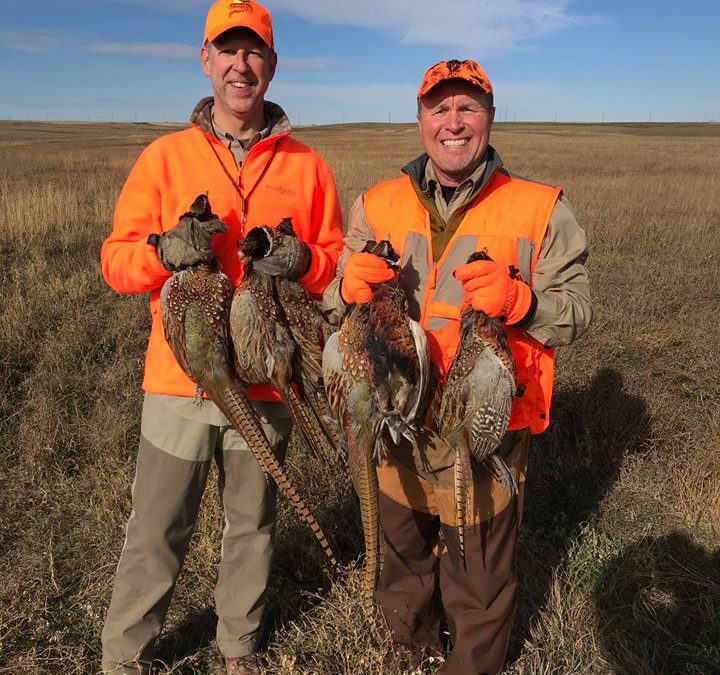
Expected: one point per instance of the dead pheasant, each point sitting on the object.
(475, 405)
(308, 329)
(376, 371)
(195, 305)
(265, 350)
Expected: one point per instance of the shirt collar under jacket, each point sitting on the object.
(466, 188)
(416, 170)
(276, 122)
(238, 146)
(445, 218)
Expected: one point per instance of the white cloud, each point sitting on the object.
(479, 26)
(33, 43)
(157, 50)
(173, 50)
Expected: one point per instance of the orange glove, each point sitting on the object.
(489, 288)
(361, 270)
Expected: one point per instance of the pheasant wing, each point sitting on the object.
(308, 329)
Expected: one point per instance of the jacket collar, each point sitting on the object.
(277, 121)
(415, 169)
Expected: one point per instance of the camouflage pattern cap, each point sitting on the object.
(467, 70)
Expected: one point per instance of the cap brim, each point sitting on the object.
(219, 30)
(431, 85)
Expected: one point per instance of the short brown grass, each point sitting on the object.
(618, 557)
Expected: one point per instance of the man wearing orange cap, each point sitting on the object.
(455, 199)
(239, 151)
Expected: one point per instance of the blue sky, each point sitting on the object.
(362, 61)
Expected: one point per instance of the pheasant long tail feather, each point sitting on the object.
(463, 485)
(243, 418)
(365, 480)
(319, 403)
(309, 426)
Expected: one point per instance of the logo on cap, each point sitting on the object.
(240, 7)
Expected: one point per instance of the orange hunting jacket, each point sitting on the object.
(280, 177)
(509, 218)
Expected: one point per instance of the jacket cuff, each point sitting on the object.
(522, 305)
(320, 271)
(530, 314)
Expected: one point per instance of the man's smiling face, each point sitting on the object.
(240, 67)
(455, 119)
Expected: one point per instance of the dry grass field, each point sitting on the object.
(619, 559)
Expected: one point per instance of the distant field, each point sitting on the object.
(619, 558)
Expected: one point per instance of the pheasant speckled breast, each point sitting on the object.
(475, 405)
(376, 371)
(264, 348)
(194, 303)
(195, 306)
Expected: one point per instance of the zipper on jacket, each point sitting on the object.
(433, 273)
(431, 280)
(237, 182)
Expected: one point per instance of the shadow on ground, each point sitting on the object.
(658, 608)
(572, 467)
(194, 633)
(301, 574)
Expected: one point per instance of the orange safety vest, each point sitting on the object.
(509, 218)
(279, 178)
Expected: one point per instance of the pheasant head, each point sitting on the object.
(197, 226)
(257, 244)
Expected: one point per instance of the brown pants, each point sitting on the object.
(422, 576)
(172, 467)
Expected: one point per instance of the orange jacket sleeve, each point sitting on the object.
(129, 263)
(327, 240)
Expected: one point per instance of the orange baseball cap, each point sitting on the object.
(227, 14)
(467, 70)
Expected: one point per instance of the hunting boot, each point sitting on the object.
(243, 665)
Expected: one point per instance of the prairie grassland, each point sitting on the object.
(619, 557)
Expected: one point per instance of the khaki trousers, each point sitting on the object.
(423, 574)
(172, 467)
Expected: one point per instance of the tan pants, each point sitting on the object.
(172, 467)
(422, 577)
